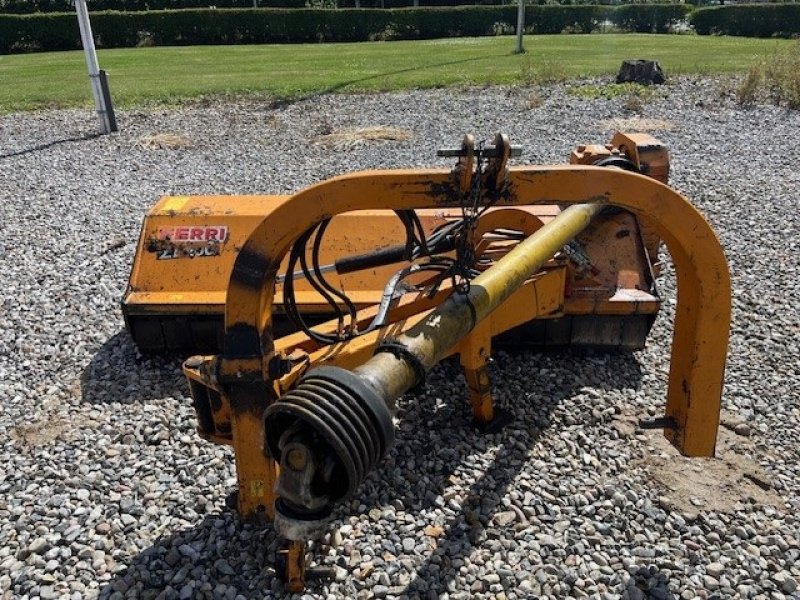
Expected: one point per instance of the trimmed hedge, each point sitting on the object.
(579, 18)
(59, 31)
(650, 18)
(420, 3)
(23, 7)
(751, 20)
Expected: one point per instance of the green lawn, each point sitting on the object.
(144, 75)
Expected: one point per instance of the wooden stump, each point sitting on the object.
(645, 72)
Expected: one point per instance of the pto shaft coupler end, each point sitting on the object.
(327, 434)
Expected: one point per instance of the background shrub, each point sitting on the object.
(751, 20)
(114, 29)
(649, 18)
(35, 6)
(579, 18)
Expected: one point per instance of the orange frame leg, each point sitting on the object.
(475, 351)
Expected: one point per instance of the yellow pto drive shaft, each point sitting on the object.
(334, 427)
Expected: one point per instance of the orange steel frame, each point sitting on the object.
(244, 374)
(198, 287)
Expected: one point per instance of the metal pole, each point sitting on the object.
(520, 26)
(102, 101)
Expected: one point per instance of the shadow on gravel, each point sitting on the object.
(563, 375)
(46, 145)
(119, 373)
(222, 556)
(200, 562)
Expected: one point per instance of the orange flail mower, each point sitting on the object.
(309, 315)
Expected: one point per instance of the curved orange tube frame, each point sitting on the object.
(702, 318)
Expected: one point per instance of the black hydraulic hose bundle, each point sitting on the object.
(456, 235)
(417, 246)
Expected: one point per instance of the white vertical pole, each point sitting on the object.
(520, 26)
(103, 112)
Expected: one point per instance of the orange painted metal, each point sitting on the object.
(294, 563)
(618, 277)
(164, 278)
(256, 474)
(198, 285)
(474, 353)
(610, 275)
(702, 317)
(163, 283)
(542, 295)
(606, 270)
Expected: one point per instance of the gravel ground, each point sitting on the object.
(105, 489)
